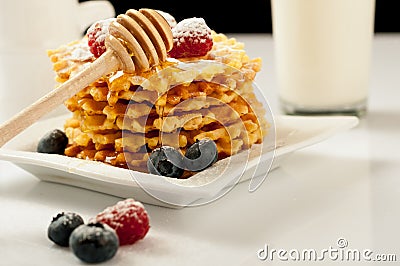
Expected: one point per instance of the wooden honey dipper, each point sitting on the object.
(138, 39)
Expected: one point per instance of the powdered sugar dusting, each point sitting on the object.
(129, 203)
(190, 28)
(80, 53)
(192, 38)
(103, 26)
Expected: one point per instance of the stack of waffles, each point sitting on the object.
(121, 118)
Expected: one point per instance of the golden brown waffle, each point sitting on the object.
(121, 117)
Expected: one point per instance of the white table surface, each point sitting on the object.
(345, 187)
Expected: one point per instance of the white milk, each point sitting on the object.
(323, 50)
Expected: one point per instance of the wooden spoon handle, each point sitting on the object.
(105, 64)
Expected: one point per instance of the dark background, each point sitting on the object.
(250, 16)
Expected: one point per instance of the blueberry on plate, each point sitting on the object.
(94, 242)
(62, 226)
(165, 161)
(54, 142)
(201, 154)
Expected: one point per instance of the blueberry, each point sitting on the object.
(54, 141)
(94, 242)
(202, 154)
(165, 161)
(62, 226)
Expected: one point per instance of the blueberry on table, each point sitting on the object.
(165, 161)
(62, 226)
(202, 154)
(94, 242)
(54, 142)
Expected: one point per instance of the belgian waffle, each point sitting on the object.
(121, 118)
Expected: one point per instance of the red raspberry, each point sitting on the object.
(128, 218)
(192, 37)
(96, 34)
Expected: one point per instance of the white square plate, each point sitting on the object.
(292, 133)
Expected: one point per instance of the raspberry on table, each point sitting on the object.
(192, 38)
(128, 218)
(96, 35)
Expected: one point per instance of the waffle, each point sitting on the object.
(121, 118)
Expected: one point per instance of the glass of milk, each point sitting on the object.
(323, 54)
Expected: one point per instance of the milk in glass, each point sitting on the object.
(323, 54)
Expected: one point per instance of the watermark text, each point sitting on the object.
(340, 252)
